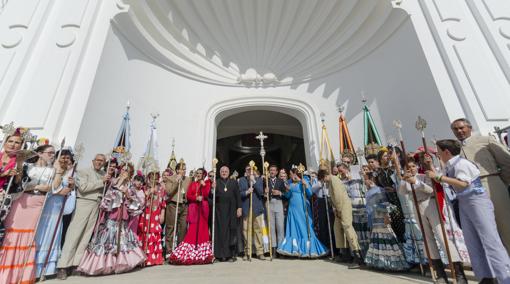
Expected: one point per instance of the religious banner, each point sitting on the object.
(372, 140)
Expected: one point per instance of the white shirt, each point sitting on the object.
(462, 169)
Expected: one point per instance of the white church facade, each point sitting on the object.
(214, 70)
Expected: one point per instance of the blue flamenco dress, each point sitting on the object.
(296, 241)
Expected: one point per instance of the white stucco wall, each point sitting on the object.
(393, 76)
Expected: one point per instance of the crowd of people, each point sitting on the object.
(426, 209)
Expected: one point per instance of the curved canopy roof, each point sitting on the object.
(257, 42)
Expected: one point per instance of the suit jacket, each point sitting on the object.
(172, 185)
(339, 196)
(89, 183)
(258, 193)
(489, 155)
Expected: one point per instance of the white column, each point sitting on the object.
(467, 45)
(49, 51)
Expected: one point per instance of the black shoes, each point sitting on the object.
(442, 278)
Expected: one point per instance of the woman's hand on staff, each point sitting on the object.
(202, 183)
(199, 198)
(65, 191)
(154, 190)
(71, 182)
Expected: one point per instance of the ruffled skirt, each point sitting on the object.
(189, 254)
(384, 251)
(101, 256)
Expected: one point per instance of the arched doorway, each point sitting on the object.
(236, 144)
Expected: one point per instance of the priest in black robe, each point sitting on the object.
(228, 211)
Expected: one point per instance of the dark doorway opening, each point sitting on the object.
(237, 144)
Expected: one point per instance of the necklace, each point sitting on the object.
(224, 184)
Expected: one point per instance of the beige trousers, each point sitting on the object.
(79, 233)
(345, 236)
(256, 236)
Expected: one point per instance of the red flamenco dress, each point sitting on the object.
(151, 240)
(196, 246)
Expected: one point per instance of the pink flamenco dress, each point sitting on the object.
(196, 247)
(104, 255)
(149, 227)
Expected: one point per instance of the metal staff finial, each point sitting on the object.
(421, 124)
(398, 125)
(78, 151)
(262, 137)
(323, 117)
(363, 98)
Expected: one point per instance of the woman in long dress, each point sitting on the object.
(300, 238)
(17, 254)
(111, 250)
(50, 225)
(149, 227)
(384, 251)
(196, 247)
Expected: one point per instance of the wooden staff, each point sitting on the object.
(268, 208)
(106, 186)
(78, 153)
(126, 156)
(199, 193)
(148, 223)
(174, 234)
(214, 162)
(329, 223)
(265, 164)
(421, 124)
(398, 126)
(250, 212)
(26, 254)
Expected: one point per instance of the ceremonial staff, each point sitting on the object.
(126, 157)
(151, 198)
(174, 234)
(107, 184)
(398, 177)
(421, 124)
(329, 222)
(26, 137)
(199, 193)
(250, 213)
(26, 254)
(214, 163)
(359, 154)
(325, 141)
(301, 170)
(398, 126)
(265, 164)
(77, 156)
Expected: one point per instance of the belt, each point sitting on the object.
(35, 193)
(89, 199)
(175, 203)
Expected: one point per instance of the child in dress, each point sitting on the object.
(384, 251)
